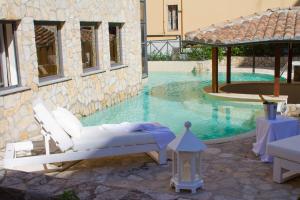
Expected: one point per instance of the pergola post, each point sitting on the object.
(290, 62)
(277, 72)
(228, 65)
(214, 58)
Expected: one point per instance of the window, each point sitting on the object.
(48, 47)
(89, 45)
(115, 43)
(8, 55)
(173, 17)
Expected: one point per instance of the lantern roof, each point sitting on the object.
(187, 142)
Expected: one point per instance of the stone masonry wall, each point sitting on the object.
(262, 62)
(81, 95)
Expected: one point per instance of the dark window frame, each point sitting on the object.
(59, 25)
(96, 35)
(121, 39)
(171, 26)
(15, 24)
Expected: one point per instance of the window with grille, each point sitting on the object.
(172, 17)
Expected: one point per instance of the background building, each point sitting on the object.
(176, 17)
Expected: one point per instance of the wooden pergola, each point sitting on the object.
(277, 26)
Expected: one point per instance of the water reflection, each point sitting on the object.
(177, 91)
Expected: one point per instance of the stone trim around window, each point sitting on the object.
(116, 41)
(92, 72)
(117, 66)
(97, 26)
(11, 69)
(58, 57)
(13, 90)
(52, 80)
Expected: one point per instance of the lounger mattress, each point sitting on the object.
(288, 148)
(95, 138)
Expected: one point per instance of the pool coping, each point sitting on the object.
(240, 136)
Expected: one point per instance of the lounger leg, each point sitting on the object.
(160, 156)
(277, 171)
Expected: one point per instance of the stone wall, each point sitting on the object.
(238, 63)
(262, 62)
(82, 95)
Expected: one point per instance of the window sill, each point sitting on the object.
(53, 81)
(88, 73)
(14, 90)
(116, 67)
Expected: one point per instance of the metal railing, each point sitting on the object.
(164, 48)
(283, 69)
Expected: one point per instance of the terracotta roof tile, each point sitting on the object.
(271, 25)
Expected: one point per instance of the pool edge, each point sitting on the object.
(232, 138)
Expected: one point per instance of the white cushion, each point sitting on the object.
(96, 137)
(288, 148)
(50, 125)
(68, 122)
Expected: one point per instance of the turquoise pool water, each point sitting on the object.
(173, 98)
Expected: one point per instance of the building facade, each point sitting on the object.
(170, 18)
(81, 55)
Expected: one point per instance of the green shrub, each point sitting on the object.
(159, 56)
(68, 195)
(194, 53)
(201, 52)
(198, 53)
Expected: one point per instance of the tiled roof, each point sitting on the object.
(273, 25)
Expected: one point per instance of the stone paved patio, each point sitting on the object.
(230, 171)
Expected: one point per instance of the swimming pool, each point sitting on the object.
(173, 98)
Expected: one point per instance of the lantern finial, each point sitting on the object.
(187, 125)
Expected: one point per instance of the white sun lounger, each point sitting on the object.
(92, 144)
(286, 154)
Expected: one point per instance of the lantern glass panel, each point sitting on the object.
(186, 174)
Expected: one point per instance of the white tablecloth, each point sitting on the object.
(272, 130)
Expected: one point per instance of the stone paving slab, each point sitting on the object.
(230, 171)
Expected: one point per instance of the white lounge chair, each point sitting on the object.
(286, 154)
(93, 143)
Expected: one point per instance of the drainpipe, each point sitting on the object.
(164, 31)
(181, 16)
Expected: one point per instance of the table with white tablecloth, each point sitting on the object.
(271, 130)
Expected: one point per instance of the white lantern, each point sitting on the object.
(186, 161)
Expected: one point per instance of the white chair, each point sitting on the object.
(286, 153)
(93, 142)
